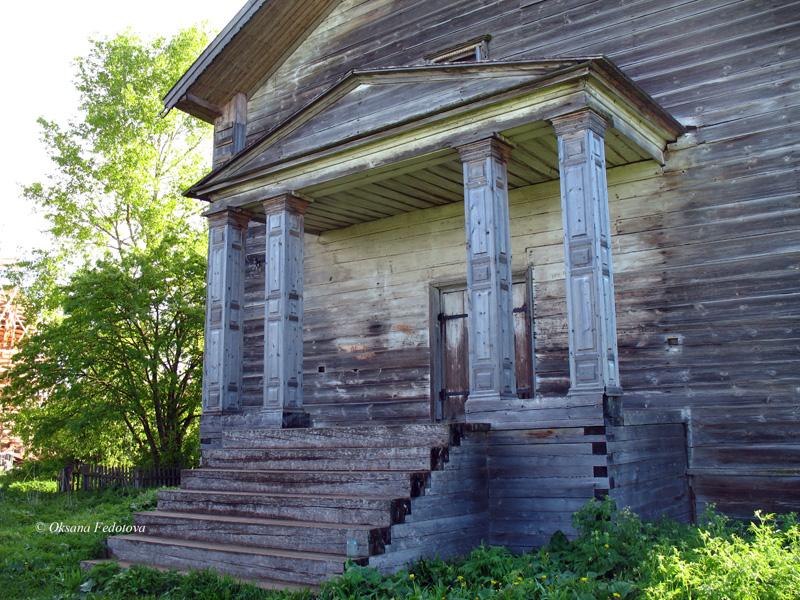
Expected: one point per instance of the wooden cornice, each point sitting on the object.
(243, 56)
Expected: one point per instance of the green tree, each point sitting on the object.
(120, 371)
(113, 369)
(120, 167)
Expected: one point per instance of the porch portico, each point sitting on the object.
(389, 232)
(376, 146)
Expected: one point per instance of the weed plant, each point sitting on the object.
(615, 555)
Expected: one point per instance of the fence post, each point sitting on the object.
(65, 478)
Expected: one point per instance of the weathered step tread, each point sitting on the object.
(251, 520)
(317, 507)
(353, 483)
(361, 436)
(287, 495)
(234, 548)
(325, 458)
(302, 471)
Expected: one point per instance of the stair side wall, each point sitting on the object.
(540, 477)
(451, 517)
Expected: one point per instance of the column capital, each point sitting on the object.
(289, 202)
(494, 146)
(228, 217)
(579, 121)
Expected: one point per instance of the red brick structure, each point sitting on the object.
(12, 330)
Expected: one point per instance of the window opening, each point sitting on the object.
(474, 50)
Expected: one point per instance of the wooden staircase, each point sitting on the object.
(290, 506)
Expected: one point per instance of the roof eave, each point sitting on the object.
(177, 97)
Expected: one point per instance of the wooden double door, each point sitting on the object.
(451, 352)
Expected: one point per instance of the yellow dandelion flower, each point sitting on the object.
(459, 578)
(616, 595)
(494, 582)
(411, 576)
(544, 576)
(463, 585)
(519, 578)
(584, 579)
(606, 545)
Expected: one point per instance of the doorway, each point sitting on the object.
(450, 347)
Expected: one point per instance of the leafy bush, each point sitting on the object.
(722, 564)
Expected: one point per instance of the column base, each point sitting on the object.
(608, 399)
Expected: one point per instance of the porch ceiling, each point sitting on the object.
(383, 142)
(436, 179)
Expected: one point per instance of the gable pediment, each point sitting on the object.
(367, 102)
(377, 117)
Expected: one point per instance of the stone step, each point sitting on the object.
(379, 512)
(326, 459)
(265, 564)
(329, 538)
(370, 484)
(431, 435)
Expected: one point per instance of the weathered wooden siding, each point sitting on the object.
(539, 478)
(706, 249)
(451, 517)
(647, 465)
(367, 321)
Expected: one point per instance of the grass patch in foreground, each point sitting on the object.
(616, 556)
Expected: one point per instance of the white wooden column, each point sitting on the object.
(222, 360)
(283, 318)
(492, 381)
(593, 354)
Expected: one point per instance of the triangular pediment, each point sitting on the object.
(402, 112)
(368, 102)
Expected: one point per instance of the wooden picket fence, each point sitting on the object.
(95, 477)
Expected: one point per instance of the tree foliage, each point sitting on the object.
(122, 168)
(114, 367)
(122, 364)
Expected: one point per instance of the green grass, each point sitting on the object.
(616, 556)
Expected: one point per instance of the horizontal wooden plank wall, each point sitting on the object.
(539, 477)
(706, 249)
(451, 517)
(647, 465)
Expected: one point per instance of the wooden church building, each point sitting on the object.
(473, 263)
